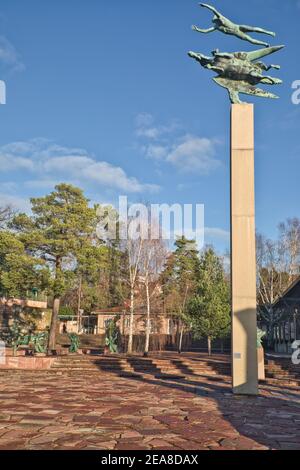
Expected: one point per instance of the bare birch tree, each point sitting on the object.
(153, 259)
(289, 240)
(272, 280)
(278, 265)
(136, 231)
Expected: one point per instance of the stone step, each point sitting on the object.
(105, 366)
(164, 367)
(290, 368)
(104, 363)
(120, 373)
(141, 368)
(283, 378)
(283, 383)
(283, 371)
(141, 364)
(169, 376)
(131, 369)
(113, 360)
(280, 372)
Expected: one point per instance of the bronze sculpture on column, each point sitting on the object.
(241, 72)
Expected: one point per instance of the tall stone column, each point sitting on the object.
(243, 253)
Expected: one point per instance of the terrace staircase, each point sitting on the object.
(281, 371)
(160, 366)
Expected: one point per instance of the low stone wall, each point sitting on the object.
(26, 363)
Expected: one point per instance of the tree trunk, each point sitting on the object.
(53, 326)
(181, 322)
(222, 346)
(55, 310)
(209, 345)
(180, 338)
(79, 304)
(130, 339)
(148, 325)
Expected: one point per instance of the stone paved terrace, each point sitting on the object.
(102, 410)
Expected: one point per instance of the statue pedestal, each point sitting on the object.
(243, 253)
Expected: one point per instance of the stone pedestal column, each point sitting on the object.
(243, 255)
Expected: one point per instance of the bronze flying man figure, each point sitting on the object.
(226, 26)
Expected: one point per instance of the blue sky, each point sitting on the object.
(102, 94)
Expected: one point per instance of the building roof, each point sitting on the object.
(291, 294)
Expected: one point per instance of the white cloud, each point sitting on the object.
(144, 120)
(70, 163)
(9, 56)
(8, 186)
(149, 133)
(42, 183)
(213, 236)
(109, 175)
(155, 152)
(17, 203)
(194, 154)
(217, 233)
(7, 163)
(49, 162)
(146, 128)
(188, 153)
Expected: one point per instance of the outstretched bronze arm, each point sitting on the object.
(213, 9)
(200, 30)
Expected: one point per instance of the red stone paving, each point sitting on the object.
(42, 410)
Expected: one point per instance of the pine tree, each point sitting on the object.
(179, 281)
(209, 310)
(20, 273)
(58, 230)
